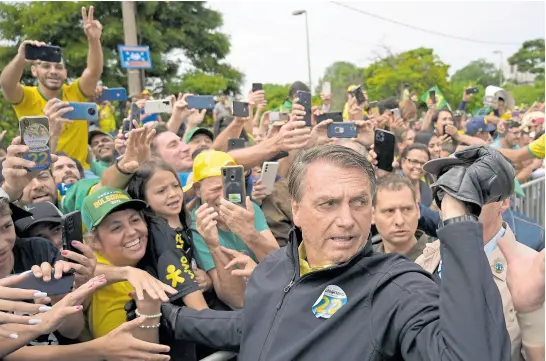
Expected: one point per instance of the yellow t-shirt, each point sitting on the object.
(107, 121)
(536, 148)
(305, 268)
(73, 140)
(107, 311)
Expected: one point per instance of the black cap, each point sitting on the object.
(43, 212)
(96, 132)
(18, 212)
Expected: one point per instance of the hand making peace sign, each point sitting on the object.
(91, 27)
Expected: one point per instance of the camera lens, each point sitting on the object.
(224, 172)
(91, 111)
(232, 177)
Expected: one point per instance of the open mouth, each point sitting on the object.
(343, 239)
(174, 204)
(133, 244)
(41, 198)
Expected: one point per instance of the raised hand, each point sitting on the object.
(54, 111)
(206, 225)
(240, 264)
(91, 27)
(143, 282)
(525, 277)
(21, 50)
(137, 148)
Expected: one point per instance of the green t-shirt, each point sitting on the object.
(73, 200)
(228, 239)
(99, 166)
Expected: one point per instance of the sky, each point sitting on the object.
(268, 43)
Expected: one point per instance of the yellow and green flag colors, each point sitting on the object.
(441, 101)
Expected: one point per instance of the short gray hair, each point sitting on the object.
(334, 154)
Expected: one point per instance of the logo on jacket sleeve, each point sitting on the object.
(329, 302)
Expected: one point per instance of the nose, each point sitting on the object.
(398, 218)
(35, 184)
(344, 217)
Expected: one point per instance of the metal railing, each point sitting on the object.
(533, 204)
(220, 356)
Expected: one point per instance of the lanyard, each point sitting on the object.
(488, 248)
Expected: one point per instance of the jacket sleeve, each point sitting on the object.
(429, 220)
(217, 329)
(464, 322)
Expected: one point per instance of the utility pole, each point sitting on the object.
(130, 34)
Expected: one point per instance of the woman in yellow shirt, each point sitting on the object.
(107, 121)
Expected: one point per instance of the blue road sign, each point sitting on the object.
(135, 57)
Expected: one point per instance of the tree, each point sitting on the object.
(478, 72)
(421, 68)
(187, 27)
(341, 75)
(530, 57)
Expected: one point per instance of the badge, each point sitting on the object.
(331, 300)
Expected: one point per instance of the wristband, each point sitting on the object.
(120, 170)
(137, 312)
(148, 327)
(465, 218)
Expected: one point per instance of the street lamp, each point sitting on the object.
(300, 12)
(499, 52)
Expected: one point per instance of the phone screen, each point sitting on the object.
(35, 133)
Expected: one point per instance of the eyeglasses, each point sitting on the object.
(415, 162)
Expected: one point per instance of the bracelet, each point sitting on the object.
(148, 327)
(137, 312)
(119, 169)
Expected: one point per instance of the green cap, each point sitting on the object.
(192, 133)
(104, 201)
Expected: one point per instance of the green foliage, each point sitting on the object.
(8, 120)
(527, 94)
(420, 67)
(478, 72)
(184, 27)
(530, 57)
(341, 74)
(275, 94)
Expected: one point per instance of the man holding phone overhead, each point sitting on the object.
(51, 74)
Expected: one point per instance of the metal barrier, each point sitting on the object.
(533, 204)
(220, 356)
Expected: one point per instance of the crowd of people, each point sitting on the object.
(339, 260)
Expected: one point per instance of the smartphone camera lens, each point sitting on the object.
(224, 172)
(379, 137)
(232, 177)
(91, 111)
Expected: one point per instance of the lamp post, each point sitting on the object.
(499, 52)
(300, 12)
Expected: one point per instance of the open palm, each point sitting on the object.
(525, 277)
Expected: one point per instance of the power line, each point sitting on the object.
(421, 29)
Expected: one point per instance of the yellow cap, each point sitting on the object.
(146, 92)
(209, 164)
(351, 88)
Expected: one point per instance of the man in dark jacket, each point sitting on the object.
(328, 296)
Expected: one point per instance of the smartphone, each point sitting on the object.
(359, 95)
(135, 114)
(233, 181)
(72, 230)
(235, 143)
(342, 130)
(384, 147)
(35, 133)
(327, 88)
(54, 287)
(335, 116)
(257, 87)
(432, 95)
(269, 175)
(374, 108)
(48, 53)
(158, 106)
(200, 102)
(82, 111)
(127, 126)
(240, 109)
(274, 117)
(472, 91)
(396, 113)
(305, 100)
(112, 95)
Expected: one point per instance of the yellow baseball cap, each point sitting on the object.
(146, 92)
(209, 164)
(351, 88)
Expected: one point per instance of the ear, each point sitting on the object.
(418, 210)
(34, 71)
(197, 188)
(504, 205)
(295, 213)
(93, 242)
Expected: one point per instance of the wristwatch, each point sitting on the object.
(465, 218)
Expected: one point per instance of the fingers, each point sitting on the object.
(158, 288)
(139, 290)
(22, 307)
(91, 11)
(44, 272)
(508, 249)
(22, 320)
